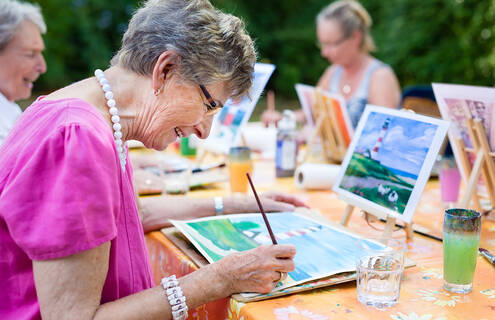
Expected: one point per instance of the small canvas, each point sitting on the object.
(306, 95)
(322, 250)
(389, 161)
(456, 103)
(342, 116)
(227, 124)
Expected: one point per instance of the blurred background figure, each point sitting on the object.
(21, 47)
(343, 31)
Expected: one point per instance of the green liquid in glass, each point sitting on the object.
(459, 257)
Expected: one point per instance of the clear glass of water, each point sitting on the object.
(379, 267)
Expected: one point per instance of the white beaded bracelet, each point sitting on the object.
(175, 298)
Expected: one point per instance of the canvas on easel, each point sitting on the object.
(332, 124)
(388, 163)
(227, 124)
(471, 109)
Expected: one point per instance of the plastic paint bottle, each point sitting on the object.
(285, 153)
(187, 146)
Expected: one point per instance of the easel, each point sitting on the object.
(390, 223)
(482, 165)
(327, 128)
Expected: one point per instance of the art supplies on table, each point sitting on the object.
(319, 176)
(286, 148)
(488, 255)
(389, 161)
(260, 139)
(326, 253)
(200, 175)
(227, 124)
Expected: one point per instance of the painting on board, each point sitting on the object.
(458, 102)
(227, 124)
(389, 161)
(216, 237)
(306, 95)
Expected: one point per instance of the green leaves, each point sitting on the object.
(436, 40)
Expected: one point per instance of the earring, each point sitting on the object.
(157, 91)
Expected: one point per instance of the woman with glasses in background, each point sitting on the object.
(343, 31)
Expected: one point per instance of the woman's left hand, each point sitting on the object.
(285, 197)
(272, 202)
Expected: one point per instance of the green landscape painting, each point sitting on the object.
(387, 159)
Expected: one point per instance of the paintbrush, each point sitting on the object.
(485, 253)
(262, 212)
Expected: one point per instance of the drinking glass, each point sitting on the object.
(176, 181)
(461, 237)
(379, 269)
(239, 163)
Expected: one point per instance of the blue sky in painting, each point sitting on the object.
(320, 253)
(406, 141)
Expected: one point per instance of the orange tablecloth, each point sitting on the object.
(422, 295)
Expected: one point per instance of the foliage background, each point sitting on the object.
(423, 40)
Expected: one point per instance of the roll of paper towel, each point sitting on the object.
(316, 176)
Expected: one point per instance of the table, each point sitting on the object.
(422, 295)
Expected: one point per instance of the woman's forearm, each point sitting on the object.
(156, 211)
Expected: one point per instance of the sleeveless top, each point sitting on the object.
(357, 102)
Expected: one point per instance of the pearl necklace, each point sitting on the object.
(114, 112)
(346, 89)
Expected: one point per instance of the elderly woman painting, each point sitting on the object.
(21, 59)
(72, 242)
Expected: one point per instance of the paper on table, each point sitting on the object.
(316, 175)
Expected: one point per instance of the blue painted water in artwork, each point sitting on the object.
(321, 250)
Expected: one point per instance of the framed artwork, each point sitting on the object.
(456, 103)
(227, 124)
(389, 160)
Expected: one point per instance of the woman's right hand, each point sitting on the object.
(270, 116)
(256, 270)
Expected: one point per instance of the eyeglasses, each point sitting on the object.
(212, 107)
(321, 45)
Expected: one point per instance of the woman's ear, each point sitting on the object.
(357, 37)
(162, 70)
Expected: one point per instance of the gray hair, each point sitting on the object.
(351, 16)
(12, 14)
(212, 46)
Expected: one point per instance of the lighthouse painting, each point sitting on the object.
(389, 161)
(322, 250)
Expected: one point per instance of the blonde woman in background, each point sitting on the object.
(343, 31)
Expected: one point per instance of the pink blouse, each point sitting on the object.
(62, 191)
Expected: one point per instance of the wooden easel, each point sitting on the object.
(484, 163)
(327, 128)
(389, 224)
